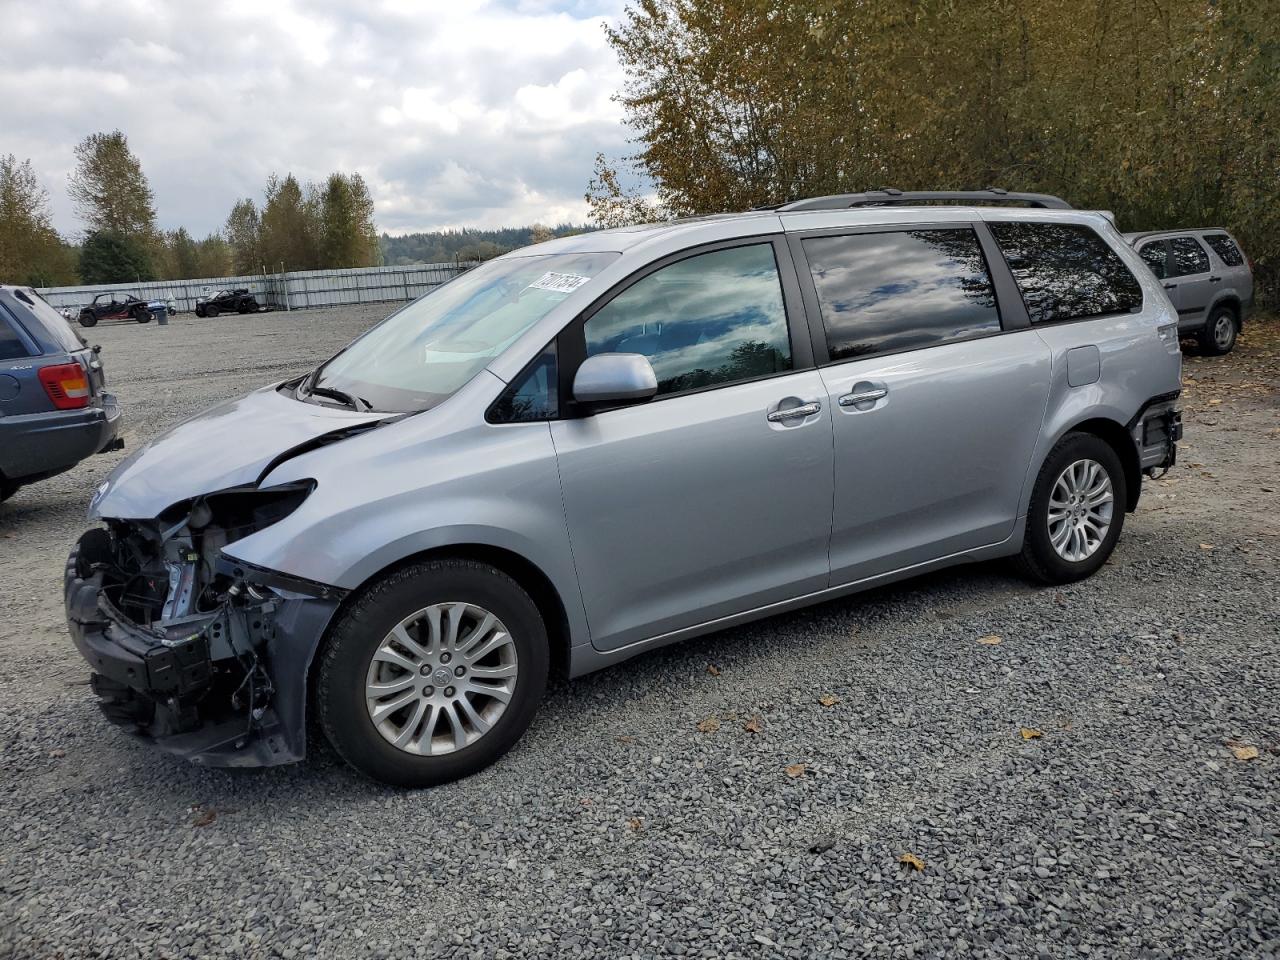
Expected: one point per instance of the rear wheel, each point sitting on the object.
(1219, 334)
(210, 311)
(1076, 512)
(433, 673)
(141, 314)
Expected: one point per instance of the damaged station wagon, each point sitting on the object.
(605, 443)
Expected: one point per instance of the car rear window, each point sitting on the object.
(1225, 248)
(903, 290)
(1153, 254)
(58, 329)
(1188, 257)
(11, 345)
(1065, 271)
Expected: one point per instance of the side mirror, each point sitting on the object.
(615, 378)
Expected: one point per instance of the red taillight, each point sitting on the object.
(67, 385)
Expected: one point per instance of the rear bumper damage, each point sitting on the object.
(225, 686)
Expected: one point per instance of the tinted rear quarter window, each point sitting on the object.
(888, 292)
(1225, 248)
(1066, 271)
(55, 325)
(11, 345)
(1153, 255)
(1188, 257)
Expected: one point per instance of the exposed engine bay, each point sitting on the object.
(183, 640)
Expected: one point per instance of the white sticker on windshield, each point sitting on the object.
(558, 282)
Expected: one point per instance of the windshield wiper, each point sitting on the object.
(352, 401)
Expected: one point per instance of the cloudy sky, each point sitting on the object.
(457, 112)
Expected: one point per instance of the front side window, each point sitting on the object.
(712, 319)
(420, 356)
(1153, 255)
(1188, 257)
(888, 292)
(1065, 271)
(533, 395)
(1225, 248)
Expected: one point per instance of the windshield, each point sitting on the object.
(418, 357)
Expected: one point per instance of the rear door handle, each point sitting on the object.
(863, 396)
(1171, 286)
(791, 413)
(1215, 279)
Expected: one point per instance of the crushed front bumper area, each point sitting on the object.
(1156, 432)
(223, 688)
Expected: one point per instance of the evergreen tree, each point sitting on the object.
(108, 257)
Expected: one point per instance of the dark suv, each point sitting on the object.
(114, 306)
(54, 411)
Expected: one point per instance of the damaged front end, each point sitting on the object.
(204, 655)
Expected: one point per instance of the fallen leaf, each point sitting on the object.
(636, 823)
(794, 770)
(1214, 403)
(912, 861)
(57, 753)
(1245, 753)
(709, 725)
(1206, 546)
(205, 817)
(626, 738)
(991, 640)
(1029, 734)
(828, 700)
(753, 725)
(585, 801)
(713, 669)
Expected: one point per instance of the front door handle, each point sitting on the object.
(863, 396)
(791, 413)
(1215, 279)
(1171, 286)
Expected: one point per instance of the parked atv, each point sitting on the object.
(227, 301)
(115, 306)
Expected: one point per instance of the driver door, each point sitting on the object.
(714, 498)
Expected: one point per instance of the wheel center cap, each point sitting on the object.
(441, 677)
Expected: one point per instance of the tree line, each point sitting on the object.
(297, 227)
(1166, 112)
(444, 246)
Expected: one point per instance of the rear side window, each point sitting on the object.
(11, 345)
(715, 318)
(889, 292)
(54, 323)
(1188, 257)
(1153, 255)
(1225, 248)
(1065, 271)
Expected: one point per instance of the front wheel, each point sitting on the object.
(88, 320)
(1219, 334)
(1077, 510)
(433, 673)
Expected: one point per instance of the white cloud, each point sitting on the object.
(471, 112)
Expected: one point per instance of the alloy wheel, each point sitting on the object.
(1080, 510)
(441, 679)
(1223, 331)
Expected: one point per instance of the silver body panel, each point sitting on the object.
(1196, 295)
(668, 519)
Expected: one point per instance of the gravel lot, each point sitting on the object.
(619, 827)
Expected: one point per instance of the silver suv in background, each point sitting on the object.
(1208, 278)
(605, 443)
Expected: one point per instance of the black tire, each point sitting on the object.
(210, 311)
(7, 489)
(1039, 560)
(141, 315)
(200, 311)
(87, 319)
(353, 639)
(1218, 337)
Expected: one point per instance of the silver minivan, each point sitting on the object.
(1208, 278)
(609, 442)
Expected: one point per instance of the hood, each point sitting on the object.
(227, 446)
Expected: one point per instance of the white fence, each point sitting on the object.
(282, 291)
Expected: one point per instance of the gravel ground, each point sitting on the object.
(1070, 791)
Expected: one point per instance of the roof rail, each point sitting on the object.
(890, 197)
